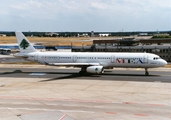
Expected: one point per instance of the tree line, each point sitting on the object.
(77, 34)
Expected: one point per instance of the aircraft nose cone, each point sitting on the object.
(164, 62)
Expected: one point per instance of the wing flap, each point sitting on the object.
(73, 64)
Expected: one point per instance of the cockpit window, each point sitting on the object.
(156, 58)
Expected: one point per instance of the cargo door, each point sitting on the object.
(36, 57)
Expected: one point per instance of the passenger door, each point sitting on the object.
(74, 58)
(112, 59)
(145, 59)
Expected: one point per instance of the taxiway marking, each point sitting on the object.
(111, 113)
(140, 114)
(63, 117)
(155, 104)
(73, 100)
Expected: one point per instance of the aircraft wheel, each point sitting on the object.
(82, 72)
(146, 73)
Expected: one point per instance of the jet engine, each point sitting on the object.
(95, 69)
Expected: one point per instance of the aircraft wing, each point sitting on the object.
(73, 64)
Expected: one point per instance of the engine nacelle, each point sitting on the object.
(95, 69)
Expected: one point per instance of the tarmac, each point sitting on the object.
(32, 92)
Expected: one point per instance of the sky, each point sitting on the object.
(85, 15)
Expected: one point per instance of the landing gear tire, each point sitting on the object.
(83, 71)
(146, 72)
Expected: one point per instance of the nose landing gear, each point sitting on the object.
(146, 72)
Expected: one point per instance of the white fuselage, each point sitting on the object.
(132, 60)
(90, 62)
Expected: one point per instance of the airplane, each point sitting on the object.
(89, 62)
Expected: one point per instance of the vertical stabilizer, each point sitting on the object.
(24, 45)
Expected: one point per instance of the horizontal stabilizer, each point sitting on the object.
(20, 55)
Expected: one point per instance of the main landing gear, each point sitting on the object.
(83, 71)
(146, 72)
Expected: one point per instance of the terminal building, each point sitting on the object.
(161, 47)
(6, 49)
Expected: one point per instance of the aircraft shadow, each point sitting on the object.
(16, 71)
(19, 71)
(76, 75)
(73, 75)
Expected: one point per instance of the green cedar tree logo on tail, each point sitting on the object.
(24, 44)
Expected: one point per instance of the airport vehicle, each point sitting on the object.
(89, 62)
(5, 51)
